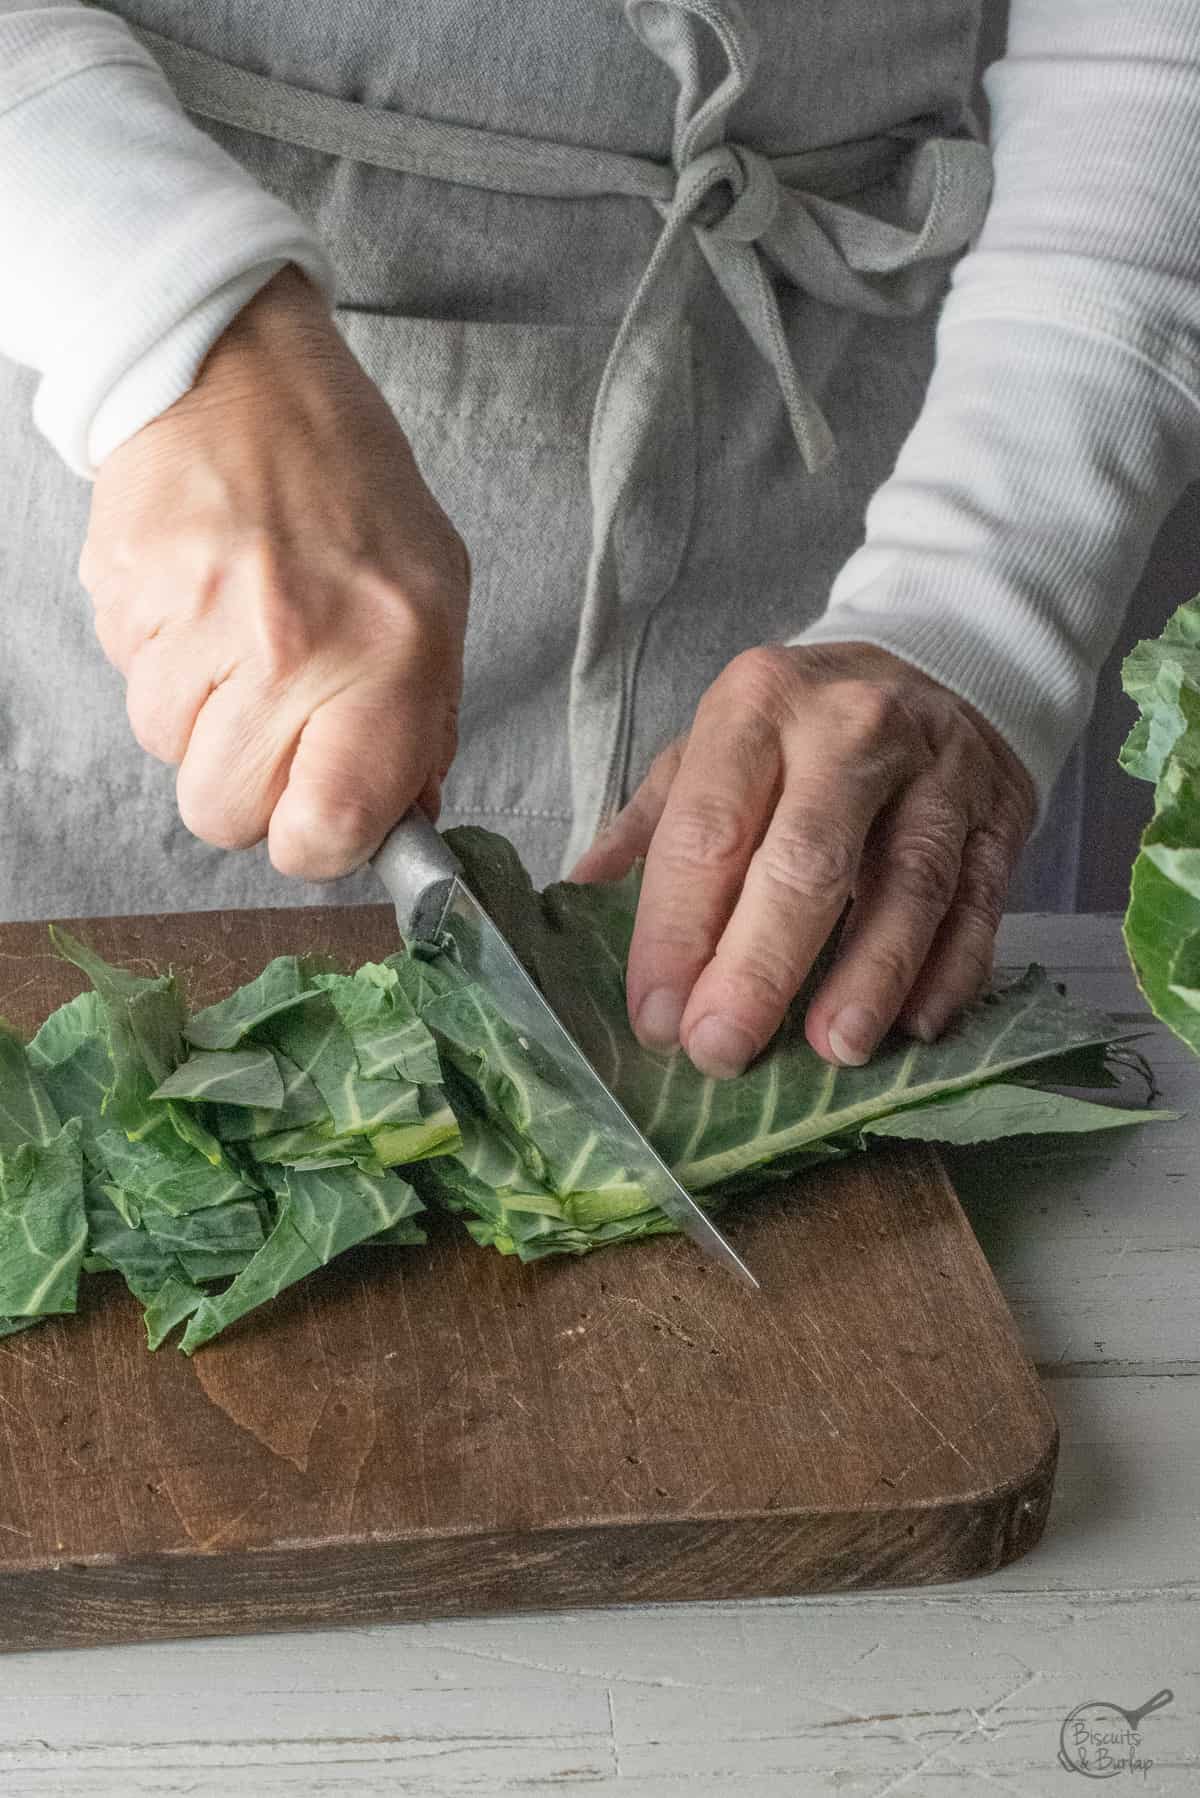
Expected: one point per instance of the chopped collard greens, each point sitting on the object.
(213, 1158)
(1162, 921)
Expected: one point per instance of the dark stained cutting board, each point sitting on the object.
(435, 1431)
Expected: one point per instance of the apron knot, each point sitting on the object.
(750, 200)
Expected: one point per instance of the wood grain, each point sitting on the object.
(440, 1430)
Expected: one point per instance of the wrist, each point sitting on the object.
(288, 316)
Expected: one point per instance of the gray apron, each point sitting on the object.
(651, 288)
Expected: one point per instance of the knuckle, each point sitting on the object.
(107, 555)
(888, 963)
(758, 678)
(433, 579)
(987, 867)
(980, 901)
(673, 940)
(924, 870)
(814, 862)
(979, 915)
(865, 713)
(707, 833)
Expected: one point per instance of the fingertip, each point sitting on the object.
(597, 867)
(853, 1034)
(720, 1048)
(657, 1018)
(610, 856)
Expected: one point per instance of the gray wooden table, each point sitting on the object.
(943, 1690)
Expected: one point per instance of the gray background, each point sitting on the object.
(1115, 806)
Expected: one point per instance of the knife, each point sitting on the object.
(425, 881)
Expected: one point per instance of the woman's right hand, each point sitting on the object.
(284, 596)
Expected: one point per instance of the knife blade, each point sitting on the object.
(425, 881)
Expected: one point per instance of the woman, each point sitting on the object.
(626, 314)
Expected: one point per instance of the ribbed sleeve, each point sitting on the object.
(1062, 421)
(130, 240)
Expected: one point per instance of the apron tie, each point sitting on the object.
(732, 203)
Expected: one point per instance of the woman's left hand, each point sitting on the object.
(812, 775)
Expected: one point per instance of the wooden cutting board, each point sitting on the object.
(440, 1430)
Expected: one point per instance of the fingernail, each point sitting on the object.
(720, 1049)
(853, 1034)
(658, 1018)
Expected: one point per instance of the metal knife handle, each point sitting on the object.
(418, 870)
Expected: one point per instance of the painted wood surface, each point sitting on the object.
(952, 1689)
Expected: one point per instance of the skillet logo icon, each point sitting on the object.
(1101, 1740)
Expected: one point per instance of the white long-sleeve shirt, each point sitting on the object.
(1060, 427)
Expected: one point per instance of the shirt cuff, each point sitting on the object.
(130, 238)
(1001, 553)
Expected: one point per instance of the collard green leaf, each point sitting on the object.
(145, 1019)
(184, 1120)
(433, 1132)
(508, 1208)
(530, 1225)
(985, 1113)
(1185, 971)
(1163, 675)
(322, 1214)
(232, 1228)
(389, 1038)
(162, 1279)
(1162, 921)
(248, 1077)
(43, 1225)
(27, 1114)
(167, 1174)
(314, 1038)
(80, 1020)
(143, 1261)
(176, 1299)
(302, 1104)
(574, 940)
(561, 1147)
(70, 1053)
(283, 983)
(126, 1205)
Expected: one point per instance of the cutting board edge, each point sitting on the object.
(79, 924)
(176, 1596)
